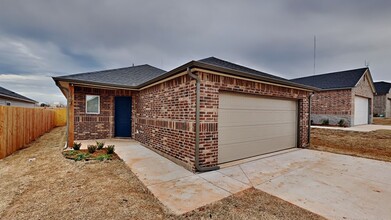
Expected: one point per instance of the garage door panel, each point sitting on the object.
(255, 132)
(236, 101)
(232, 117)
(361, 110)
(252, 125)
(250, 149)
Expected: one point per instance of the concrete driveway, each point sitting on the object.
(334, 186)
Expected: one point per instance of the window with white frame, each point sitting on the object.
(92, 104)
(8, 103)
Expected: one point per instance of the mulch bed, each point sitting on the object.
(83, 154)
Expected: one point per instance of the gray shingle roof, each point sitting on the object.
(225, 64)
(382, 88)
(128, 76)
(138, 76)
(336, 80)
(10, 94)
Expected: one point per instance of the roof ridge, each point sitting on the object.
(107, 70)
(322, 74)
(239, 65)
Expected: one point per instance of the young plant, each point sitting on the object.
(104, 157)
(81, 156)
(76, 146)
(110, 149)
(325, 122)
(70, 153)
(341, 123)
(100, 145)
(91, 149)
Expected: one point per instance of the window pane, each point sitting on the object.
(92, 104)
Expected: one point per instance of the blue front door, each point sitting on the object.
(123, 116)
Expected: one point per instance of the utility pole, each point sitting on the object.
(314, 54)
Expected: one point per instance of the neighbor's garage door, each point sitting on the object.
(360, 110)
(252, 125)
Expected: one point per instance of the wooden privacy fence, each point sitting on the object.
(19, 126)
(60, 118)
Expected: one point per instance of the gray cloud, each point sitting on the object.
(44, 38)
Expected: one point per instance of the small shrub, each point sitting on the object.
(341, 123)
(76, 146)
(325, 122)
(70, 153)
(100, 145)
(81, 156)
(110, 149)
(104, 157)
(91, 148)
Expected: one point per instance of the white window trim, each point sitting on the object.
(93, 113)
(8, 103)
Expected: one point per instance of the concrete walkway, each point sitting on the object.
(177, 188)
(362, 128)
(334, 186)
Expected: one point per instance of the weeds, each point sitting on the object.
(104, 157)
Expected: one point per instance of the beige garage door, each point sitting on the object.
(361, 114)
(252, 125)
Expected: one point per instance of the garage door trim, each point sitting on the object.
(234, 103)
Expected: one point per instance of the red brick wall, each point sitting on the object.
(165, 119)
(211, 85)
(95, 126)
(164, 115)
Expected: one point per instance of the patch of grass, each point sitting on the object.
(373, 145)
(381, 121)
(70, 152)
(103, 157)
(81, 156)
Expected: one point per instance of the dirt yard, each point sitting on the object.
(373, 145)
(381, 121)
(52, 187)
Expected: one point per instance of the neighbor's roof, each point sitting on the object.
(128, 76)
(336, 80)
(137, 77)
(13, 95)
(382, 88)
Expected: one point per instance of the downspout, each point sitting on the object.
(197, 143)
(67, 97)
(309, 119)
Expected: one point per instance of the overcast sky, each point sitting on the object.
(40, 39)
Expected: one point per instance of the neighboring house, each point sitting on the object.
(241, 112)
(10, 98)
(346, 97)
(382, 100)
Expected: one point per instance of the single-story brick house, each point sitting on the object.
(199, 115)
(382, 100)
(10, 98)
(345, 97)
